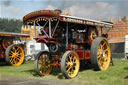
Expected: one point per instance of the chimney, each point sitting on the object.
(69, 12)
(111, 20)
(98, 19)
(119, 19)
(126, 18)
(65, 12)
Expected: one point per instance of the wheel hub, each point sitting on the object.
(102, 54)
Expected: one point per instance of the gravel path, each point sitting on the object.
(27, 81)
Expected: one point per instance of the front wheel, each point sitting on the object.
(100, 54)
(70, 64)
(42, 63)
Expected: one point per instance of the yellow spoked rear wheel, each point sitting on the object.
(70, 64)
(100, 54)
(15, 55)
(42, 63)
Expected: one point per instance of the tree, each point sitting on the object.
(10, 25)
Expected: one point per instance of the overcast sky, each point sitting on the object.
(91, 9)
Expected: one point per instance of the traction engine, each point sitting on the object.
(72, 41)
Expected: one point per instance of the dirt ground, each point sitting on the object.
(26, 81)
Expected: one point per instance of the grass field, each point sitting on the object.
(114, 75)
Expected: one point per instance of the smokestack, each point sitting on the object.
(98, 19)
(69, 13)
(65, 12)
(119, 19)
(126, 18)
(111, 20)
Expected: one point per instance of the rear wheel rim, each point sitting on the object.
(16, 55)
(44, 64)
(103, 55)
(72, 65)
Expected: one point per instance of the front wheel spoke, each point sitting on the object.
(74, 60)
(105, 50)
(103, 64)
(39, 62)
(11, 59)
(70, 58)
(45, 59)
(103, 44)
(14, 60)
(44, 68)
(11, 56)
(100, 47)
(105, 59)
(100, 62)
(99, 56)
(42, 63)
(67, 65)
(69, 69)
(41, 59)
(18, 49)
(72, 71)
(18, 58)
(40, 68)
(12, 52)
(19, 54)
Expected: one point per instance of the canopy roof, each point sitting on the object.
(9, 34)
(54, 14)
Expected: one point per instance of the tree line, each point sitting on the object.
(10, 25)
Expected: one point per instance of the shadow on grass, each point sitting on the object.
(31, 72)
(3, 62)
(56, 71)
(126, 68)
(126, 77)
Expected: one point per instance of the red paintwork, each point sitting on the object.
(79, 47)
(2, 56)
(56, 63)
(42, 39)
(80, 51)
(90, 40)
(87, 55)
(69, 46)
(80, 54)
